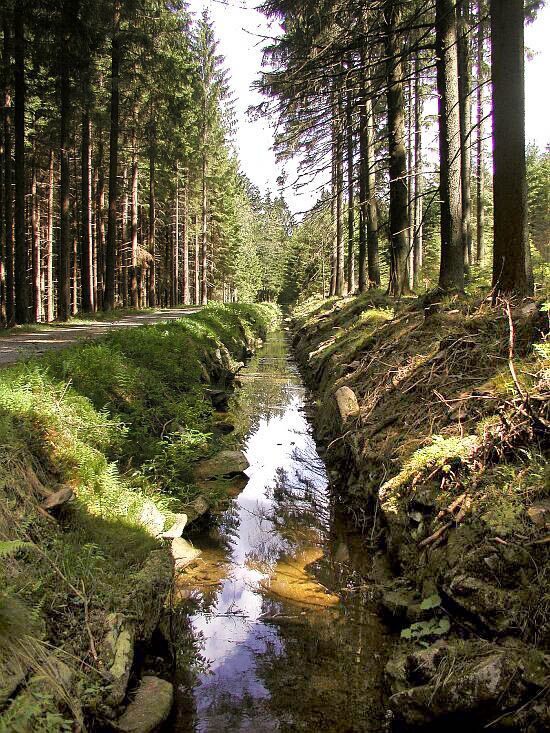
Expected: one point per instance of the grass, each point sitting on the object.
(122, 420)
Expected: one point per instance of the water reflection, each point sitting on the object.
(284, 652)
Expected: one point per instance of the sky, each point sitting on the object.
(240, 30)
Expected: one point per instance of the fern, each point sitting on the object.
(10, 548)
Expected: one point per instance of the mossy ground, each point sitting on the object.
(122, 420)
(441, 418)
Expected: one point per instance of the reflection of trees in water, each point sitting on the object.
(326, 674)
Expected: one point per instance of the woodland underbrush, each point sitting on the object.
(118, 423)
(446, 459)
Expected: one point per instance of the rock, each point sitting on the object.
(223, 427)
(183, 553)
(492, 605)
(58, 498)
(152, 519)
(347, 403)
(402, 605)
(148, 589)
(117, 651)
(177, 528)
(196, 509)
(150, 708)
(225, 463)
(539, 513)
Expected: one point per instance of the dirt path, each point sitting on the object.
(20, 346)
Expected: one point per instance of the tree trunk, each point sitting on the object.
(152, 221)
(21, 299)
(134, 294)
(351, 222)
(334, 246)
(204, 252)
(451, 272)
(197, 281)
(8, 193)
(49, 242)
(35, 240)
(480, 192)
(64, 259)
(110, 258)
(340, 271)
(124, 247)
(418, 182)
(410, 186)
(373, 255)
(511, 270)
(464, 76)
(100, 224)
(398, 220)
(185, 288)
(363, 179)
(86, 276)
(176, 252)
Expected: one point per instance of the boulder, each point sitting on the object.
(150, 708)
(196, 509)
(403, 606)
(152, 519)
(117, 652)
(58, 498)
(347, 403)
(177, 527)
(225, 463)
(183, 553)
(491, 604)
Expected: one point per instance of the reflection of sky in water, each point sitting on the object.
(233, 633)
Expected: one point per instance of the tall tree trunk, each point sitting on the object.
(480, 192)
(86, 275)
(176, 252)
(418, 182)
(398, 220)
(197, 279)
(35, 240)
(100, 223)
(511, 262)
(351, 212)
(152, 221)
(64, 259)
(110, 259)
(21, 298)
(124, 247)
(464, 77)
(373, 255)
(340, 271)
(334, 245)
(363, 179)
(451, 272)
(134, 294)
(8, 193)
(49, 242)
(185, 255)
(204, 244)
(410, 186)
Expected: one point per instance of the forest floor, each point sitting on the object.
(21, 343)
(434, 419)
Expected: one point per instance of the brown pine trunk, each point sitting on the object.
(176, 252)
(464, 74)
(197, 282)
(418, 181)
(124, 247)
(334, 247)
(110, 256)
(86, 281)
(35, 242)
(100, 224)
(50, 300)
(398, 220)
(451, 272)
(21, 298)
(340, 264)
(152, 224)
(351, 212)
(511, 261)
(185, 283)
(64, 259)
(204, 243)
(410, 186)
(134, 294)
(8, 192)
(480, 192)
(363, 179)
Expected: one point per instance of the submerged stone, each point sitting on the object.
(225, 463)
(150, 708)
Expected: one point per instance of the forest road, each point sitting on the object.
(19, 346)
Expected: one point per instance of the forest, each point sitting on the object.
(267, 469)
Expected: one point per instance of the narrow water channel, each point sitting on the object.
(278, 606)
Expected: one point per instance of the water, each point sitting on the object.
(278, 606)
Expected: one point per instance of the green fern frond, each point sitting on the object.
(10, 548)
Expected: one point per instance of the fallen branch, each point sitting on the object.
(436, 535)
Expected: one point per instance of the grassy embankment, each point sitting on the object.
(451, 449)
(121, 420)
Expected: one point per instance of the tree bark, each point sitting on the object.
(152, 221)
(464, 77)
(134, 294)
(204, 220)
(8, 193)
(124, 244)
(185, 283)
(340, 271)
(197, 279)
(451, 272)
(351, 210)
(21, 298)
(418, 182)
(398, 220)
(35, 242)
(50, 300)
(176, 253)
(480, 191)
(86, 276)
(110, 258)
(511, 266)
